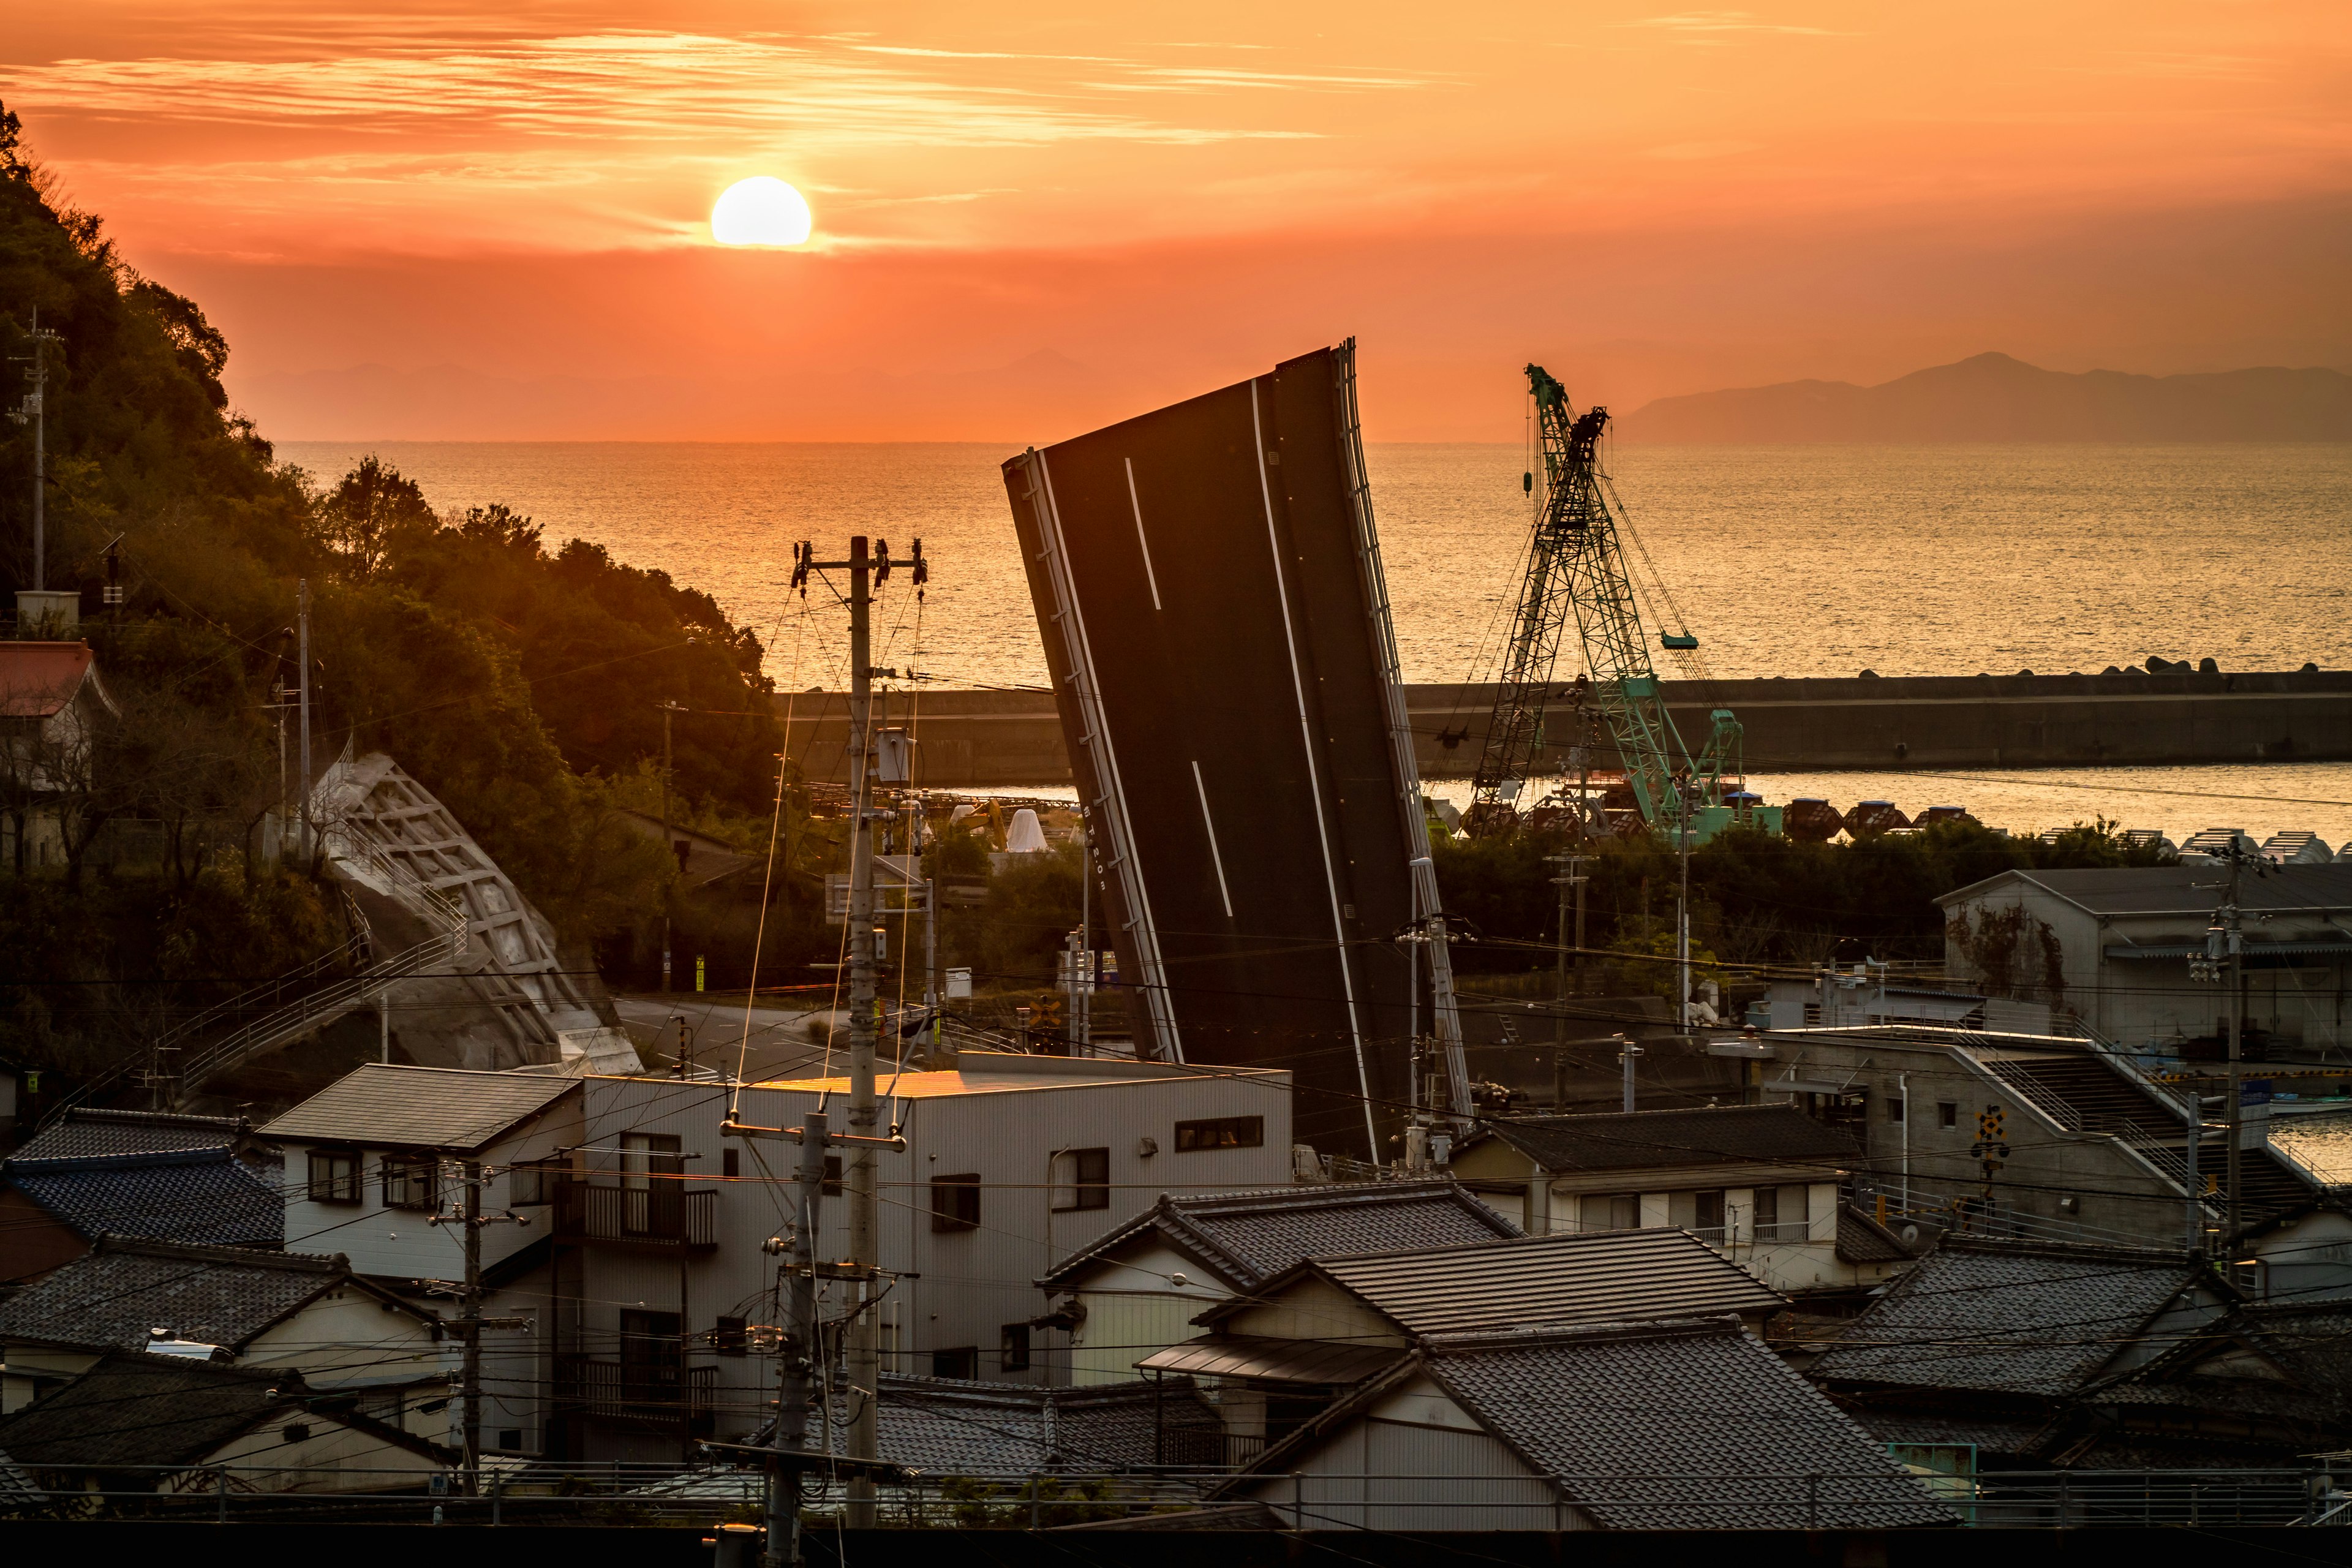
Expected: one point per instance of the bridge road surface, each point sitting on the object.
(1196, 582)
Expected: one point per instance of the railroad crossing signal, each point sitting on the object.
(1989, 1148)
(1046, 1016)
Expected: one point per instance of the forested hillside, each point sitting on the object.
(522, 683)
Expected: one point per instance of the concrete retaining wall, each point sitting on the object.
(995, 739)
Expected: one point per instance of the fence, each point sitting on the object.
(514, 1490)
(657, 1212)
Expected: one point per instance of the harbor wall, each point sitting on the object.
(1012, 739)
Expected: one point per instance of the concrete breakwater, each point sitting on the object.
(1008, 739)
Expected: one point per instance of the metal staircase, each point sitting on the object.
(2097, 1093)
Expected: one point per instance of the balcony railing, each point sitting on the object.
(660, 1214)
(642, 1393)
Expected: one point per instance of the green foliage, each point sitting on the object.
(87, 976)
(1754, 899)
(1033, 905)
(523, 685)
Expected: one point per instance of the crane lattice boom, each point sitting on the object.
(1576, 566)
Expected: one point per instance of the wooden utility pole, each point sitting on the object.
(669, 849)
(302, 644)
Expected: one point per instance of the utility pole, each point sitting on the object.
(1572, 880)
(669, 850)
(2223, 960)
(2236, 979)
(1628, 1053)
(1083, 1020)
(796, 1354)
(302, 641)
(473, 1330)
(470, 1322)
(864, 1392)
(35, 412)
(1682, 916)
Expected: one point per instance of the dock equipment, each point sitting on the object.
(1577, 565)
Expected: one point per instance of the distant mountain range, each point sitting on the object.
(1993, 397)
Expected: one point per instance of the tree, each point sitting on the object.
(369, 512)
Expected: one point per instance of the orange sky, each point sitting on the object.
(489, 221)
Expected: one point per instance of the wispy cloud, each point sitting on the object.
(649, 86)
(1706, 26)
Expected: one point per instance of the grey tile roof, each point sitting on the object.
(943, 1427)
(133, 1409)
(205, 1196)
(1674, 1140)
(86, 1132)
(16, 1488)
(113, 1295)
(1247, 1238)
(1593, 1276)
(2183, 890)
(1991, 1435)
(420, 1107)
(1862, 1240)
(1661, 1426)
(2032, 1318)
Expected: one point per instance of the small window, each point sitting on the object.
(510, 1440)
(1895, 1108)
(334, 1176)
(955, 1203)
(1082, 1179)
(533, 1182)
(297, 1433)
(1948, 1113)
(1014, 1351)
(408, 1180)
(730, 1336)
(731, 1163)
(1611, 1211)
(961, 1363)
(1781, 1214)
(1701, 1213)
(1220, 1133)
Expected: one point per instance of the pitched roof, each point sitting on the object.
(114, 1296)
(1662, 1426)
(1613, 1276)
(16, 1488)
(1246, 1238)
(85, 1132)
(420, 1107)
(204, 1196)
(37, 678)
(1318, 1362)
(2034, 1318)
(2185, 889)
(1670, 1140)
(133, 1409)
(1862, 1240)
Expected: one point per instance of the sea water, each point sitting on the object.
(1795, 561)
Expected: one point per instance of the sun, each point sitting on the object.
(761, 210)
